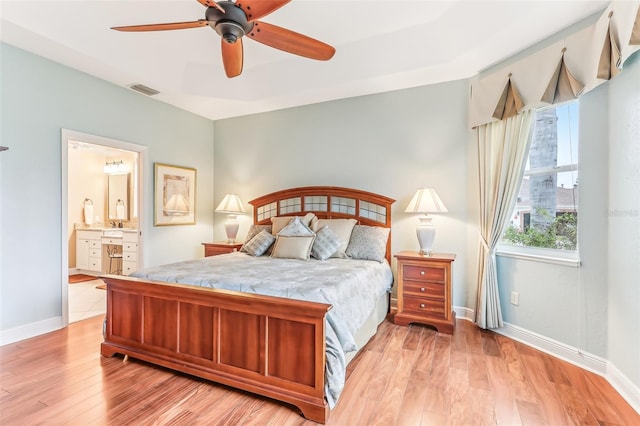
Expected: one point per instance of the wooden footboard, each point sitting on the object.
(270, 346)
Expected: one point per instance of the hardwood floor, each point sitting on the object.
(404, 376)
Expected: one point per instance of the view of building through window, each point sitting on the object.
(546, 211)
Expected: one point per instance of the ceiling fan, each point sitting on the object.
(235, 20)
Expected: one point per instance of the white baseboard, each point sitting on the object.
(30, 330)
(621, 383)
(585, 360)
(464, 313)
(625, 387)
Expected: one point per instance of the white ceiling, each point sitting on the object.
(380, 46)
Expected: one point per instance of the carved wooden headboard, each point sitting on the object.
(326, 202)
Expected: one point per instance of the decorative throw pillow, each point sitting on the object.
(368, 243)
(296, 229)
(259, 244)
(279, 222)
(326, 243)
(252, 232)
(341, 227)
(293, 247)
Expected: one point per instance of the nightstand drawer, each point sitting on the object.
(214, 249)
(423, 306)
(421, 289)
(422, 273)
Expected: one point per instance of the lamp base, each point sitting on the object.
(426, 233)
(231, 227)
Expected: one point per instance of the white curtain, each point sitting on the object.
(502, 152)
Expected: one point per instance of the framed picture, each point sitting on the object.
(174, 195)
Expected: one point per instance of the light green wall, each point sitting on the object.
(38, 98)
(389, 143)
(623, 214)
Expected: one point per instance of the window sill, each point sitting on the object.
(534, 254)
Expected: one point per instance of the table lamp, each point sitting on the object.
(231, 205)
(425, 201)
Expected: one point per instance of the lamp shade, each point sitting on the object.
(426, 200)
(230, 204)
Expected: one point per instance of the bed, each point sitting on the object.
(228, 328)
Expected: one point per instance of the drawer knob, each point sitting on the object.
(421, 272)
(422, 289)
(422, 305)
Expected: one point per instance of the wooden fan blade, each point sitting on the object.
(211, 3)
(256, 9)
(163, 27)
(232, 57)
(290, 41)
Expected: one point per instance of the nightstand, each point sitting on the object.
(220, 247)
(424, 290)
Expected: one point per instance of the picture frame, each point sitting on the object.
(174, 195)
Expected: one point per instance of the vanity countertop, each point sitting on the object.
(107, 231)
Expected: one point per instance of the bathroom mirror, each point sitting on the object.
(119, 197)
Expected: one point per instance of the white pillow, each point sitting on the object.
(341, 227)
(293, 247)
(279, 222)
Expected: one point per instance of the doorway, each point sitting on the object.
(91, 165)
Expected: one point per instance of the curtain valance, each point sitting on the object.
(608, 42)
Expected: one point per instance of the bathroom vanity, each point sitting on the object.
(91, 249)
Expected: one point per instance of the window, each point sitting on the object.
(546, 211)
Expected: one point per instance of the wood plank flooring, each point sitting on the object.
(404, 376)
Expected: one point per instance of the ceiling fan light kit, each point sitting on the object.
(232, 21)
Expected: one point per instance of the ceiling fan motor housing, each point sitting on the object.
(232, 24)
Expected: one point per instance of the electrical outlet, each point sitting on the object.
(515, 298)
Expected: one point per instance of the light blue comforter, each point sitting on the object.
(351, 286)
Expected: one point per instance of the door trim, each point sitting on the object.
(143, 176)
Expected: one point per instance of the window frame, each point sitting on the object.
(569, 258)
(539, 254)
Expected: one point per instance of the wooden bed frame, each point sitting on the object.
(267, 345)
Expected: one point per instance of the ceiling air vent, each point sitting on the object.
(144, 89)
